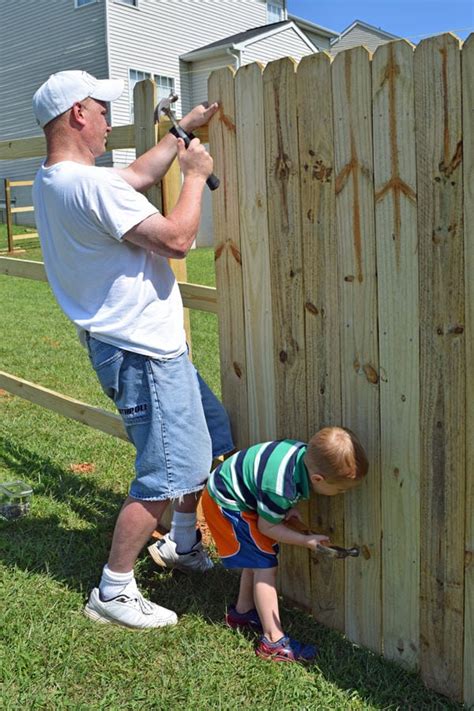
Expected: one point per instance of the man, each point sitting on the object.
(106, 250)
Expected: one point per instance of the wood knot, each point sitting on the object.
(371, 374)
(237, 369)
(311, 308)
(283, 355)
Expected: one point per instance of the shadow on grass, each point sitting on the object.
(71, 547)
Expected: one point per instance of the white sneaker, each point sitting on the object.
(129, 611)
(164, 553)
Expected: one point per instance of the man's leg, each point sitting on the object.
(135, 524)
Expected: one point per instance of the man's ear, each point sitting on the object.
(77, 113)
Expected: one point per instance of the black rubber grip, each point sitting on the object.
(213, 181)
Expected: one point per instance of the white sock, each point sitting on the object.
(183, 531)
(113, 584)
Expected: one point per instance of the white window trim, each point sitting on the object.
(151, 75)
(135, 6)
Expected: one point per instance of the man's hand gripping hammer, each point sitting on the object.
(164, 106)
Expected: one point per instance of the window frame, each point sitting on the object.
(147, 75)
(274, 4)
(85, 3)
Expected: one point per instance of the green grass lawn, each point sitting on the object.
(54, 658)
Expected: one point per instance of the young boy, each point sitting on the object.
(248, 499)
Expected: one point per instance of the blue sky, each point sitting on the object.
(411, 19)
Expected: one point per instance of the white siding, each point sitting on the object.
(284, 44)
(319, 41)
(359, 35)
(153, 36)
(40, 37)
(199, 74)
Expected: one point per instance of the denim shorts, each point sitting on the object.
(173, 419)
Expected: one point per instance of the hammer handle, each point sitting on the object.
(213, 181)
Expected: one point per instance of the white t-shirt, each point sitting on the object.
(120, 293)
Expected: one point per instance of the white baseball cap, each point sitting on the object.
(63, 89)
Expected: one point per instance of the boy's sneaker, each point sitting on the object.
(285, 650)
(164, 553)
(243, 620)
(129, 611)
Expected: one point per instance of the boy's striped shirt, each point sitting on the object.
(268, 478)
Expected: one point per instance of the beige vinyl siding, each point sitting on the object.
(40, 37)
(360, 36)
(284, 44)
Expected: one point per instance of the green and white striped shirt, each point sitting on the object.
(268, 478)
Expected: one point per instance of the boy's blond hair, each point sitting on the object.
(336, 453)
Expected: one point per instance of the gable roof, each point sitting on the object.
(366, 26)
(240, 40)
(312, 27)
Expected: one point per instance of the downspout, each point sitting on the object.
(235, 54)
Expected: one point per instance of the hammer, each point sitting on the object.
(328, 551)
(164, 106)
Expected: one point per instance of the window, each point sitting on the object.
(83, 3)
(275, 12)
(164, 85)
(132, 3)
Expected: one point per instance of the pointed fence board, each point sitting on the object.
(284, 226)
(468, 180)
(321, 310)
(359, 349)
(229, 280)
(255, 252)
(442, 367)
(397, 268)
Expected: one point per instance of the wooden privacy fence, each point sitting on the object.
(346, 295)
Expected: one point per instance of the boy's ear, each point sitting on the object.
(316, 477)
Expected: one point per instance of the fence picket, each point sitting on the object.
(228, 254)
(255, 252)
(284, 227)
(359, 349)
(397, 268)
(468, 180)
(322, 343)
(439, 178)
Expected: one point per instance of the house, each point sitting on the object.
(361, 33)
(175, 42)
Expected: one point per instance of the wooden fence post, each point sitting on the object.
(165, 197)
(8, 211)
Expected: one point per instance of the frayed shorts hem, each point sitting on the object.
(172, 497)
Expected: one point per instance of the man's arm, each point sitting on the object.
(150, 167)
(173, 235)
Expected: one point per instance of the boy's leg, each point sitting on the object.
(245, 601)
(266, 602)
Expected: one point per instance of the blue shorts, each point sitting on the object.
(238, 540)
(174, 420)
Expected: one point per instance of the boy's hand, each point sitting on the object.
(314, 540)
